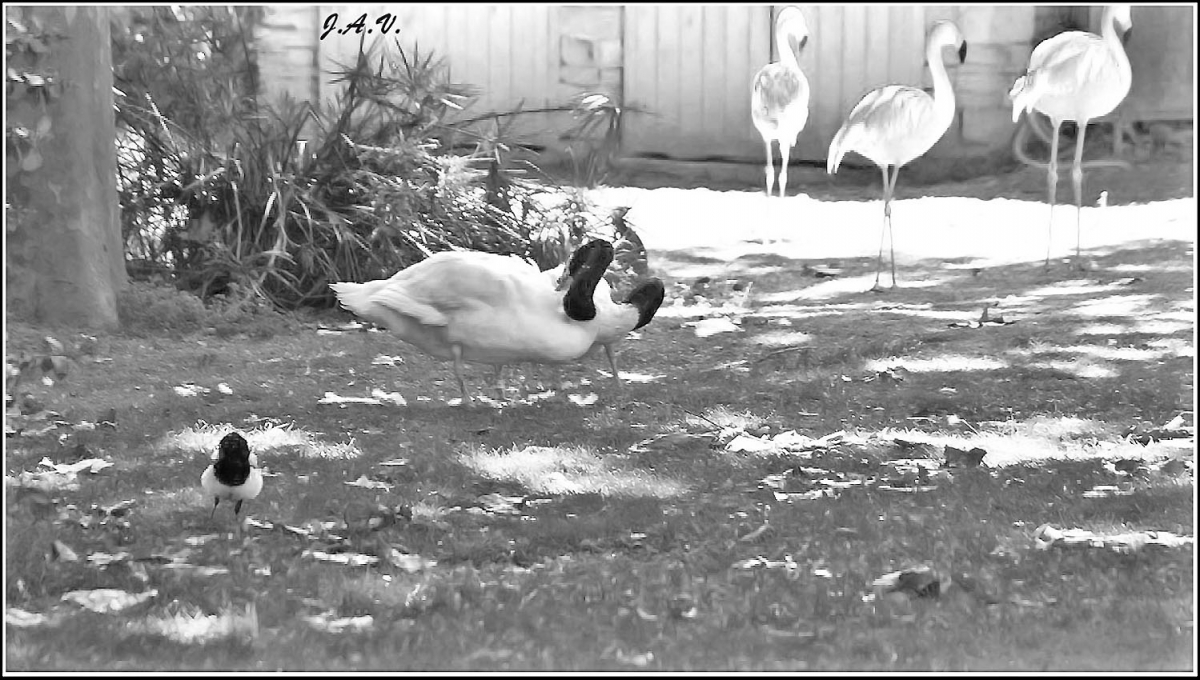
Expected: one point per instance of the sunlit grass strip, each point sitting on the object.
(945, 363)
(190, 626)
(1113, 353)
(203, 438)
(781, 338)
(1035, 442)
(1114, 305)
(1080, 368)
(567, 470)
(723, 416)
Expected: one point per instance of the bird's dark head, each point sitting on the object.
(647, 297)
(585, 270)
(587, 254)
(233, 447)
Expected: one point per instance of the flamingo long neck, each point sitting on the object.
(1108, 31)
(783, 45)
(943, 94)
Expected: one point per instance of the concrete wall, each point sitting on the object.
(577, 48)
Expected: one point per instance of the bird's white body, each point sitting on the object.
(497, 309)
(896, 124)
(247, 491)
(1080, 77)
(1075, 75)
(485, 308)
(779, 95)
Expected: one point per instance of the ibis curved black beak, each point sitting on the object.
(586, 269)
(962, 52)
(647, 298)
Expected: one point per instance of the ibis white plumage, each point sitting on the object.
(1076, 76)
(779, 95)
(895, 124)
(495, 309)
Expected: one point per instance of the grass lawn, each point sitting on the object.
(789, 479)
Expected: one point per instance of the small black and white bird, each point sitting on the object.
(234, 476)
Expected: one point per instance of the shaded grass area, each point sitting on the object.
(554, 536)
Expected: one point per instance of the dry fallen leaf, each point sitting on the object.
(956, 457)
(19, 618)
(328, 623)
(348, 558)
(410, 563)
(107, 600)
(63, 552)
(366, 483)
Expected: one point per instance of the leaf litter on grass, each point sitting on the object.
(854, 539)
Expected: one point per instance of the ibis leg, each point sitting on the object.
(458, 373)
(612, 362)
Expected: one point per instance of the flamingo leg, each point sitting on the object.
(1052, 184)
(1077, 181)
(891, 193)
(770, 167)
(784, 150)
(887, 211)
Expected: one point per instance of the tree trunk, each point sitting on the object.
(66, 260)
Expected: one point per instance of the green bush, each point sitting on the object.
(277, 200)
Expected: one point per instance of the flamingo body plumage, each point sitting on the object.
(895, 124)
(779, 95)
(1076, 76)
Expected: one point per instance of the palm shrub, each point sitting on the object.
(273, 201)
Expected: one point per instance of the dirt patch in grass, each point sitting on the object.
(772, 496)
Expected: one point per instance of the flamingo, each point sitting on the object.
(895, 124)
(1075, 76)
(779, 97)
